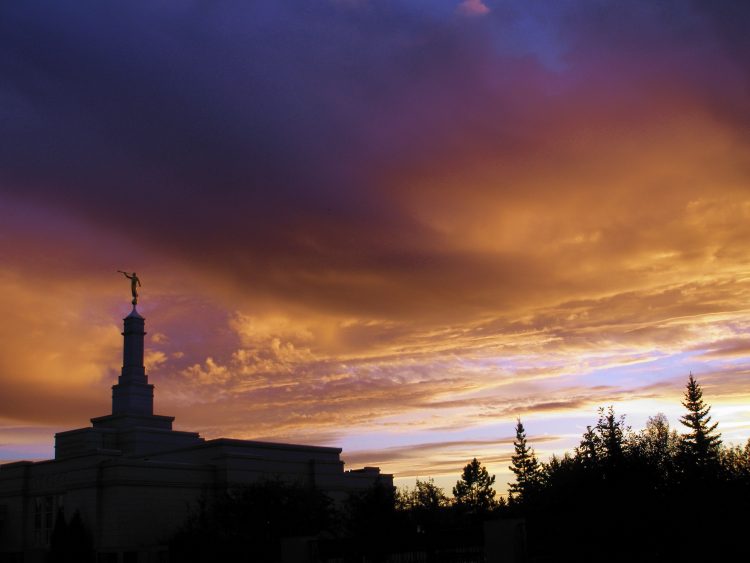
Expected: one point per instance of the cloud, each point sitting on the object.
(738, 347)
(430, 458)
(52, 348)
(473, 8)
(416, 450)
(357, 217)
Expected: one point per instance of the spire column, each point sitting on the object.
(132, 351)
(133, 394)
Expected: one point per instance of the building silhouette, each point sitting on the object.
(133, 479)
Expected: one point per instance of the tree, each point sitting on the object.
(248, 522)
(428, 496)
(525, 467)
(702, 442)
(372, 522)
(588, 452)
(70, 541)
(426, 506)
(657, 445)
(474, 490)
(611, 430)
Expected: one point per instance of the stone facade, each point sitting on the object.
(133, 479)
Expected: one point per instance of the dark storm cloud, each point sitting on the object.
(280, 139)
(204, 108)
(237, 135)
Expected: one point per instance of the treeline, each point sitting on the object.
(652, 495)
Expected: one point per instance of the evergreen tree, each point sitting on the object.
(588, 452)
(474, 490)
(525, 467)
(611, 431)
(59, 539)
(702, 442)
(70, 542)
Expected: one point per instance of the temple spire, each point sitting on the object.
(133, 395)
(132, 350)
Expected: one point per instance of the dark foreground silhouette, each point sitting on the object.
(653, 495)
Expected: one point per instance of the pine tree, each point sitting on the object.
(588, 452)
(525, 467)
(474, 490)
(702, 442)
(611, 431)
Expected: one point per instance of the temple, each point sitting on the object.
(133, 478)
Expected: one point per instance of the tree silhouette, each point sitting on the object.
(611, 430)
(588, 452)
(427, 510)
(426, 495)
(372, 522)
(654, 450)
(702, 442)
(525, 467)
(70, 541)
(657, 441)
(249, 522)
(625, 496)
(474, 491)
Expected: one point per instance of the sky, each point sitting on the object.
(389, 226)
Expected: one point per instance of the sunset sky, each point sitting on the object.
(391, 226)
